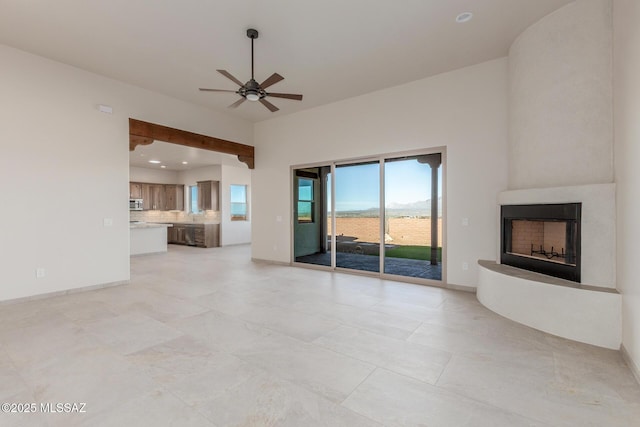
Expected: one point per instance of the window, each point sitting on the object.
(193, 199)
(238, 202)
(305, 200)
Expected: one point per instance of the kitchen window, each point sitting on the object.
(193, 199)
(238, 202)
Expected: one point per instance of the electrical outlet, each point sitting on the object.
(279, 218)
(108, 222)
(465, 222)
(39, 273)
(465, 265)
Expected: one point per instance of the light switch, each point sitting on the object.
(279, 218)
(108, 222)
(39, 273)
(465, 222)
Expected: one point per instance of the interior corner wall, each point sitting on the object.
(560, 99)
(65, 168)
(627, 156)
(464, 110)
(234, 232)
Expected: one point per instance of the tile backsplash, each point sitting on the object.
(172, 216)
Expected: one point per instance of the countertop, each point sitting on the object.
(136, 225)
(187, 222)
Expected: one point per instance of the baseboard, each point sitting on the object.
(63, 292)
(630, 363)
(463, 288)
(270, 261)
(147, 253)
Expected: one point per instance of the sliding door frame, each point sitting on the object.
(381, 160)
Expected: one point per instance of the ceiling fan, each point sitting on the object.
(251, 90)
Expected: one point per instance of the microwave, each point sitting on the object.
(135, 204)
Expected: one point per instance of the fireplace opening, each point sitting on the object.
(544, 238)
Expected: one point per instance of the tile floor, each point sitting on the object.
(205, 337)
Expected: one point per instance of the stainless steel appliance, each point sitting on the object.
(135, 204)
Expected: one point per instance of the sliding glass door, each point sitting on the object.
(413, 216)
(311, 195)
(381, 215)
(357, 212)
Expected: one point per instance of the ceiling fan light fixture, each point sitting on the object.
(252, 96)
(464, 17)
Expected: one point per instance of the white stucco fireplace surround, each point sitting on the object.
(589, 311)
(560, 150)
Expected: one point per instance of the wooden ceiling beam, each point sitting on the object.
(144, 133)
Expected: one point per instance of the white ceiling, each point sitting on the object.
(172, 157)
(327, 50)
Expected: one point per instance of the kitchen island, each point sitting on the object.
(147, 238)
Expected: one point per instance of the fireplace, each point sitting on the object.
(544, 238)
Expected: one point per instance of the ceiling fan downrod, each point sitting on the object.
(252, 34)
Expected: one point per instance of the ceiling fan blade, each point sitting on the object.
(230, 77)
(286, 95)
(238, 102)
(275, 78)
(203, 89)
(269, 105)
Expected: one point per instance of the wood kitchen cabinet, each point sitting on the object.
(200, 235)
(174, 197)
(153, 197)
(208, 195)
(135, 190)
(176, 234)
(160, 197)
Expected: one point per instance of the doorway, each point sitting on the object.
(380, 216)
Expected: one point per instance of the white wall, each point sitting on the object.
(205, 173)
(153, 176)
(560, 99)
(234, 232)
(464, 110)
(627, 157)
(57, 151)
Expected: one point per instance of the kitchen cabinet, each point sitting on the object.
(200, 235)
(160, 197)
(174, 197)
(208, 195)
(177, 234)
(171, 234)
(135, 190)
(153, 197)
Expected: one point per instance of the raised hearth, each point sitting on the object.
(589, 314)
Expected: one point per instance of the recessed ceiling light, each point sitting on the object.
(155, 161)
(464, 17)
(185, 163)
(163, 166)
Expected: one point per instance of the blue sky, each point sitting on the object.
(357, 187)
